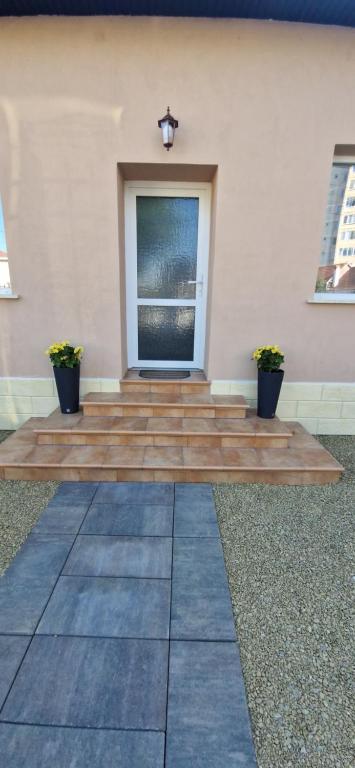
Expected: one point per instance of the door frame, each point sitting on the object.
(202, 190)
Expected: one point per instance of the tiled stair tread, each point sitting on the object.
(148, 398)
(252, 426)
(304, 454)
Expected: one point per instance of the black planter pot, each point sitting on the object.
(269, 386)
(68, 381)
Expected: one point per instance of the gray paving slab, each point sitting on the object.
(108, 607)
(22, 604)
(193, 492)
(129, 520)
(195, 518)
(41, 557)
(12, 650)
(102, 643)
(65, 518)
(98, 682)
(208, 721)
(69, 492)
(133, 556)
(45, 747)
(201, 606)
(135, 493)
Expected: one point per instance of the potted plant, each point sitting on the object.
(66, 366)
(268, 360)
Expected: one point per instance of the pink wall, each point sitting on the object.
(265, 102)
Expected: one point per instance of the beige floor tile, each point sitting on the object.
(124, 456)
(199, 425)
(164, 424)
(240, 457)
(235, 425)
(48, 454)
(130, 424)
(85, 454)
(168, 457)
(202, 457)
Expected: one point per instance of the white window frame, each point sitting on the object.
(336, 298)
(202, 191)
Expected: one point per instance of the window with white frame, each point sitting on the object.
(5, 284)
(336, 272)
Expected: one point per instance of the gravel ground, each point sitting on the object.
(21, 504)
(290, 559)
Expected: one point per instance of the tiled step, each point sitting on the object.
(165, 387)
(251, 432)
(151, 405)
(305, 462)
(195, 384)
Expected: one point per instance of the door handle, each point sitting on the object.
(195, 282)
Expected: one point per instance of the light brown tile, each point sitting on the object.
(203, 441)
(176, 475)
(40, 473)
(196, 399)
(22, 438)
(229, 400)
(197, 388)
(46, 439)
(165, 439)
(137, 411)
(93, 474)
(135, 475)
(92, 455)
(95, 423)
(202, 457)
(199, 413)
(165, 398)
(129, 423)
(167, 411)
(164, 424)
(240, 426)
(135, 386)
(230, 413)
(47, 454)
(241, 441)
(105, 410)
(268, 441)
(102, 397)
(165, 388)
(199, 425)
(168, 457)
(67, 438)
(124, 456)
(135, 439)
(240, 457)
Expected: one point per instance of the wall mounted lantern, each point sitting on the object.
(168, 125)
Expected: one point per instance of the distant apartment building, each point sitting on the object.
(337, 268)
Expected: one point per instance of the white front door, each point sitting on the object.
(167, 242)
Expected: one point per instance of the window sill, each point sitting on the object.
(336, 300)
(9, 296)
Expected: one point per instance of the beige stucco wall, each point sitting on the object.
(265, 102)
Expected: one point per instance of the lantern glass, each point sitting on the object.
(167, 133)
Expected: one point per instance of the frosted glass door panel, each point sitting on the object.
(167, 229)
(166, 333)
(167, 241)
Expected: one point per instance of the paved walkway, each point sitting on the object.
(117, 641)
